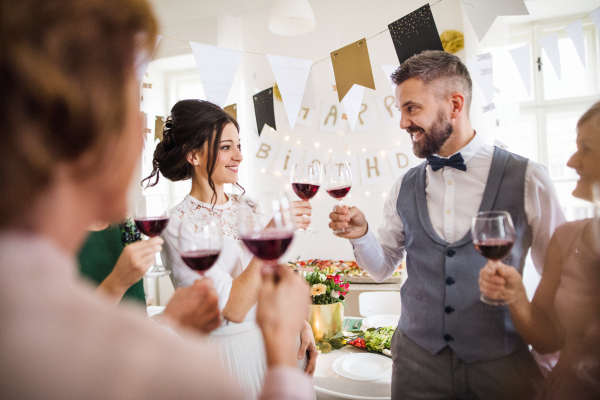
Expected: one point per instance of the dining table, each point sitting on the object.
(330, 385)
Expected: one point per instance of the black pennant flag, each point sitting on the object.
(263, 109)
(415, 33)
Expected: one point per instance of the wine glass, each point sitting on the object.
(151, 216)
(337, 178)
(200, 242)
(493, 236)
(306, 180)
(267, 241)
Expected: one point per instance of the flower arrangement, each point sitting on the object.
(327, 289)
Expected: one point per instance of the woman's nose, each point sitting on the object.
(573, 161)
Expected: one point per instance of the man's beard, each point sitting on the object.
(438, 134)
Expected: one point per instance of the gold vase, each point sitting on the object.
(326, 320)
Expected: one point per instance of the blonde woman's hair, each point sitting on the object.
(64, 72)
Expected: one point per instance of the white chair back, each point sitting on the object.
(377, 303)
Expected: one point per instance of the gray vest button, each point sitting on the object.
(448, 338)
(449, 281)
(449, 310)
(450, 252)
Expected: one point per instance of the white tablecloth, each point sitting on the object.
(329, 385)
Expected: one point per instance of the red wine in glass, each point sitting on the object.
(151, 216)
(200, 260)
(268, 245)
(200, 242)
(151, 227)
(305, 191)
(493, 236)
(306, 181)
(339, 193)
(337, 178)
(494, 249)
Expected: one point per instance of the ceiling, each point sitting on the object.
(174, 12)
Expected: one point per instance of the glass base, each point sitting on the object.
(347, 229)
(492, 302)
(156, 272)
(307, 230)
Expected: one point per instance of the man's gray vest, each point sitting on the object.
(440, 298)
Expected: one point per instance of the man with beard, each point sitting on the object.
(450, 345)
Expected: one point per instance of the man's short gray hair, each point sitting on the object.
(444, 70)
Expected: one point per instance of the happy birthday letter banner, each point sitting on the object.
(144, 60)
(415, 33)
(217, 68)
(291, 75)
(263, 109)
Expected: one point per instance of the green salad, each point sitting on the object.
(379, 339)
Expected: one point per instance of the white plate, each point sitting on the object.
(377, 321)
(363, 366)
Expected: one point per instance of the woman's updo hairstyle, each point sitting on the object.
(192, 123)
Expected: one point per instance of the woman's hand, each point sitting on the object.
(283, 306)
(134, 262)
(501, 282)
(196, 307)
(307, 342)
(301, 211)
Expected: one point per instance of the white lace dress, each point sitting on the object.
(241, 346)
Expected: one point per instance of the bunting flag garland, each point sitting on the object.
(217, 68)
(522, 58)
(309, 99)
(575, 32)
(159, 124)
(263, 109)
(482, 71)
(596, 18)
(550, 45)
(388, 70)
(291, 75)
(144, 60)
(483, 13)
(231, 110)
(352, 66)
(415, 33)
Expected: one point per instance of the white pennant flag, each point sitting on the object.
(144, 60)
(352, 102)
(550, 44)
(291, 75)
(309, 99)
(483, 72)
(575, 32)
(596, 18)
(522, 58)
(483, 13)
(217, 67)
(388, 70)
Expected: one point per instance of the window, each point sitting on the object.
(545, 129)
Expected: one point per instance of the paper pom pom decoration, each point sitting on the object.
(453, 41)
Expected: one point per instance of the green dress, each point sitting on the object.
(99, 255)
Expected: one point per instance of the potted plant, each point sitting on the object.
(327, 310)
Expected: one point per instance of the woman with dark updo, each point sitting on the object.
(201, 142)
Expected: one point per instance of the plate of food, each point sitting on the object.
(374, 340)
(379, 321)
(363, 367)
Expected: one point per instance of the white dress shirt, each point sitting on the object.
(453, 198)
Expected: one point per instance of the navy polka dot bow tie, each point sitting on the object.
(456, 161)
